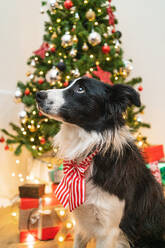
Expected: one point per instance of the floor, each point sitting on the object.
(9, 233)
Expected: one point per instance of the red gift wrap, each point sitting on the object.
(153, 153)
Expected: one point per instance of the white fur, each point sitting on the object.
(99, 217)
(74, 142)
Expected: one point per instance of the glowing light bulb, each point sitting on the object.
(32, 121)
(24, 133)
(19, 175)
(68, 225)
(31, 139)
(30, 238)
(36, 181)
(14, 214)
(47, 200)
(140, 143)
(38, 126)
(62, 212)
(21, 179)
(61, 238)
(13, 174)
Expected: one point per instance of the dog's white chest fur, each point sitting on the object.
(100, 214)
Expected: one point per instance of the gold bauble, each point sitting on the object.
(85, 47)
(75, 39)
(90, 15)
(54, 36)
(28, 73)
(32, 129)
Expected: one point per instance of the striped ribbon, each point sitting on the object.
(71, 191)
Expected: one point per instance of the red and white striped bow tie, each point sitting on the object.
(71, 190)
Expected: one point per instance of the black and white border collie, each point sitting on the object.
(124, 204)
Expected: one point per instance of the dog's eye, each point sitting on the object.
(79, 89)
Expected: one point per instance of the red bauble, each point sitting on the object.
(53, 49)
(2, 139)
(113, 30)
(40, 114)
(42, 141)
(140, 88)
(40, 80)
(106, 49)
(68, 4)
(27, 92)
(6, 147)
(66, 83)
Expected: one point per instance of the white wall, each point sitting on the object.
(142, 25)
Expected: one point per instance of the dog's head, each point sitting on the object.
(88, 103)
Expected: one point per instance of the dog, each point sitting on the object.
(124, 204)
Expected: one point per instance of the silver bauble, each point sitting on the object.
(53, 75)
(18, 93)
(94, 38)
(66, 40)
(42, 11)
(22, 114)
(33, 63)
(77, 17)
(128, 66)
(73, 52)
(75, 73)
(117, 46)
(53, 4)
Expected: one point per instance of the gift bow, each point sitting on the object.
(71, 191)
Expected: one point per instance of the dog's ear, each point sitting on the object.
(124, 95)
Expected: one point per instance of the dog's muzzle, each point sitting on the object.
(40, 98)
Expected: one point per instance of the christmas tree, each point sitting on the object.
(80, 39)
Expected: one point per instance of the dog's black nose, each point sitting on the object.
(40, 96)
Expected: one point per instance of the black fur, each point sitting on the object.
(129, 179)
(104, 104)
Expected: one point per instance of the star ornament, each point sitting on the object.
(103, 75)
(42, 50)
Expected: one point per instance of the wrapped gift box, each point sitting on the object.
(153, 153)
(162, 171)
(161, 166)
(44, 224)
(32, 190)
(37, 215)
(56, 174)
